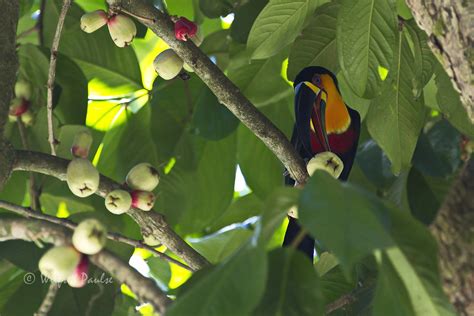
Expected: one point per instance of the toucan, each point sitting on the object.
(323, 122)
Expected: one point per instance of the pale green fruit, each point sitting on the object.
(168, 64)
(81, 144)
(327, 161)
(23, 89)
(58, 263)
(187, 68)
(93, 21)
(122, 29)
(118, 201)
(82, 177)
(143, 177)
(89, 236)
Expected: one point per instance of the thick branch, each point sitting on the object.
(32, 230)
(71, 225)
(151, 223)
(448, 24)
(453, 228)
(227, 93)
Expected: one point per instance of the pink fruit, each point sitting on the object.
(184, 29)
(81, 144)
(19, 106)
(143, 200)
(79, 277)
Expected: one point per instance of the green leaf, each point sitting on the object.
(374, 164)
(450, 104)
(396, 117)
(292, 286)
(372, 227)
(259, 80)
(131, 137)
(245, 16)
(160, 271)
(262, 170)
(212, 120)
(366, 37)
(351, 99)
(200, 186)
(11, 278)
(219, 246)
(316, 46)
(278, 25)
(95, 53)
(233, 287)
(238, 211)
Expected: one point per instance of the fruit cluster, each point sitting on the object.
(71, 263)
(122, 29)
(20, 106)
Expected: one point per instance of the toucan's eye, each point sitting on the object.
(317, 80)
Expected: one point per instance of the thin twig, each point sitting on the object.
(48, 301)
(27, 32)
(39, 24)
(71, 225)
(34, 194)
(52, 74)
(339, 303)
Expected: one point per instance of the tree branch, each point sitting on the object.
(71, 225)
(227, 93)
(453, 228)
(52, 74)
(48, 301)
(33, 230)
(448, 24)
(151, 223)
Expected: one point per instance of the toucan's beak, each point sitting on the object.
(310, 111)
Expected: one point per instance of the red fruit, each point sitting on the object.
(79, 277)
(143, 200)
(19, 106)
(184, 29)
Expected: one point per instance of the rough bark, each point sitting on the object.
(450, 27)
(8, 68)
(150, 222)
(453, 228)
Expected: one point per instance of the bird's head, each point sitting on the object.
(319, 104)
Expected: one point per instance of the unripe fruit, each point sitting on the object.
(143, 177)
(79, 277)
(23, 89)
(58, 263)
(93, 21)
(89, 236)
(82, 177)
(18, 106)
(81, 144)
(327, 161)
(122, 29)
(151, 241)
(187, 68)
(293, 211)
(197, 39)
(28, 118)
(143, 200)
(118, 201)
(167, 64)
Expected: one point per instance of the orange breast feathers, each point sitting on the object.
(337, 115)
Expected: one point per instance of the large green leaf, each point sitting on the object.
(278, 25)
(245, 16)
(316, 46)
(233, 287)
(396, 117)
(366, 38)
(217, 247)
(261, 169)
(96, 53)
(259, 80)
(361, 225)
(292, 286)
(216, 8)
(200, 186)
